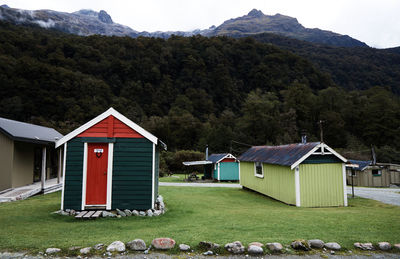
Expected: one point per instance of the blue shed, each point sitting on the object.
(225, 167)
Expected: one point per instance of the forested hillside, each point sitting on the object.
(189, 92)
(350, 67)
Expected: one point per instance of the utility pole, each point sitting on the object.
(321, 130)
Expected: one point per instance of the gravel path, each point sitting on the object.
(385, 195)
(228, 185)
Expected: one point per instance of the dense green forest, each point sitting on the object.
(191, 91)
(350, 67)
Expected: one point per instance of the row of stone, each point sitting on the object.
(254, 248)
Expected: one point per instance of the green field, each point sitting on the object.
(175, 178)
(220, 215)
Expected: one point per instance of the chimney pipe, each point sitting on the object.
(207, 152)
(303, 137)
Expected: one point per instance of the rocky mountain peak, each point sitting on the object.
(105, 17)
(256, 13)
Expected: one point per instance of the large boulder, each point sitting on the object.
(128, 212)
(397, 247)
(85, 250)
(274, 247)
(206, 245)
(256, 244)
(300, 245)
(255, 250)
(184, 247)
(135, 213)
(235, 247)
(163, 243)
(52, 250)
(364, 246)
(384, 246)
(121, 213)
(116, 246)
(136, 245)
(332, 246)
(316, 243)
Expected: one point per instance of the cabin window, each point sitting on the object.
(376, 172)
(258, 170)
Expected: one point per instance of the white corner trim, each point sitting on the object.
(323, 146)
(335, 153)
(344, 184)
(229, 155)
(85, 151)
(63, 184)
(239, 172)
(219, 174)
(153, 173)
(101, 117)
(297, 185)
(109, 175)
(305, 156)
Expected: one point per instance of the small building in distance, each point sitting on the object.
(305, 174)
(27, 154)
(372, 175)
(225, 167)
(110, 162)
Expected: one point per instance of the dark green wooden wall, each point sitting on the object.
(73, 175)
(132, 174)
(321, 159)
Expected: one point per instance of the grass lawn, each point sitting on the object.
(175, 178)
(220, 215)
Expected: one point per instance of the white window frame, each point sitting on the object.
(262, 170)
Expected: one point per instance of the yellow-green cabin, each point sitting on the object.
(305, 174)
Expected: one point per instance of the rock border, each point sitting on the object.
(159, 209)
(234, 248)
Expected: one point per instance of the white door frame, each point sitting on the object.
(109, 176)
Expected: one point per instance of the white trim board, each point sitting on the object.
(101, 117)
(312, 151)
(226, 156)
(344, 185)
(297, 185)
(84, 170)
(109, 175)
(63, 184)
(153, 170)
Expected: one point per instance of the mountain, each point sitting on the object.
(88, 22)
(83, 22)
(256, 22)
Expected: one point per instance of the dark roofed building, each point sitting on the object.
(365, 173)
(304, 174)
(24, 148)
(225, 167)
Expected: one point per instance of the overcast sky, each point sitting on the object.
(375, 22)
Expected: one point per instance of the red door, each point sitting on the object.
(96, 177)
